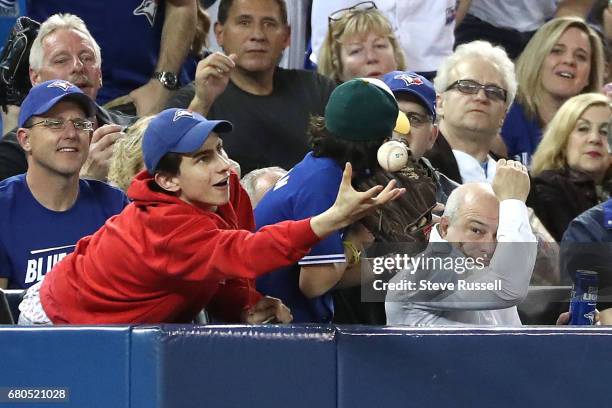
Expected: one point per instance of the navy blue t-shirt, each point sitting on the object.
(521, 134)
(34, 238)
(307, 190)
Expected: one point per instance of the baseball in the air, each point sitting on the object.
(392, 155)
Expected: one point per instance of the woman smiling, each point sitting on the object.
(571, 167)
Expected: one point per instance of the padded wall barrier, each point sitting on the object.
(309, 366)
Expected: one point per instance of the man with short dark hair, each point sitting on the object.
(269, 106)
(44, 212)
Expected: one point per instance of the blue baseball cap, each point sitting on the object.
(46, 95)
(415, 84)
(177, 131)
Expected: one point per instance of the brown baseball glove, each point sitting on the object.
(407, 219)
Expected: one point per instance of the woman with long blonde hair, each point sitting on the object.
(571, 167)
(564, 58)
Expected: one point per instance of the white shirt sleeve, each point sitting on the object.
(511, 266)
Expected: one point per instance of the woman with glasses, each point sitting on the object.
(360, 43)
(563, 59)
(571, 167)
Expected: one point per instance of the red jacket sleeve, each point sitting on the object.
(199, 251)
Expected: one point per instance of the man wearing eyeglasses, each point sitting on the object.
(45, 211)
(475, 87)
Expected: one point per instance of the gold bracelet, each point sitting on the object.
(354, 255)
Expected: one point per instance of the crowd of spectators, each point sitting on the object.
(509, 110)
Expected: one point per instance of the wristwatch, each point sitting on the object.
(168, 79)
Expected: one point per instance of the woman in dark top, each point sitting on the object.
(571, 167)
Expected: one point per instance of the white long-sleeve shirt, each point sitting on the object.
(508, 274)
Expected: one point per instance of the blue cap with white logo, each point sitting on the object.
(46, 95)
(415, 84)
(177, 131)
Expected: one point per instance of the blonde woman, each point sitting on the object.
(571, 165)
(359, 43)
(127, 155)
(564, 58)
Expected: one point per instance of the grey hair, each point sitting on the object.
(249, 181)
(457, 198)
(60, 22)
(496, 55)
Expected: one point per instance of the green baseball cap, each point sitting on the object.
(361, 110)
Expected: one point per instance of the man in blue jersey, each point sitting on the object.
(44, 212)
(359, 116)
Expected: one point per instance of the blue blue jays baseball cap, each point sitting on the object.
(177, 131)
(46, 95)
(415, 84)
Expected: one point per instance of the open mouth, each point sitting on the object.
(67, 150)
(566, 74)
(221, 183)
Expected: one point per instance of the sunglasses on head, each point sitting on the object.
(363, 6)
(467, 86)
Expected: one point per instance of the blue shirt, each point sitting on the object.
(34, 238)
(307, 190)
(521, 134)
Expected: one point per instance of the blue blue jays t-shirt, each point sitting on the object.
(34, 238)
(307, 190)
(521, 134)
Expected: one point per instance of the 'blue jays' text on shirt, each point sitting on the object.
(307, 190)
(34, 238)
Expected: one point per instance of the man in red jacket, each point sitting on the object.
(184, 242)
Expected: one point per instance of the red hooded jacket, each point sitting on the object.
(163, 260)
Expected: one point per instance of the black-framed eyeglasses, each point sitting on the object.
(467, 86)
(81, 125)
(364, 5)
(417, 120)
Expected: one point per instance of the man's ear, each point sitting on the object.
(23, 137)
(167, 182)
(444, 224)
(439, 105)
(218, 28)
(432, 137)
(288, 38)
(34, 77)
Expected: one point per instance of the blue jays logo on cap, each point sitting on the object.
(410, 82)
(409, 79)
(63, 85)
(182, 113)
(177, 131)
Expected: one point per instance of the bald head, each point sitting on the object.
(470, 194)
(470, 219)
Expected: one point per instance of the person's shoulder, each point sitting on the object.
(589, 226)
(12, 189)
(102, 191)
(12, 183)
